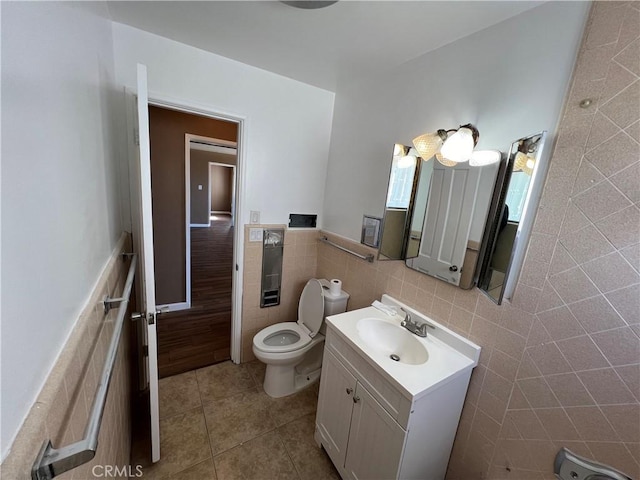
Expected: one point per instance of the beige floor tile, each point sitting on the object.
(178, 394)
(257, 369)
(183, 443)
(202, 471)
(262, 458)
(222, 380)
(311, 461)
(238, 418)
(286, 409)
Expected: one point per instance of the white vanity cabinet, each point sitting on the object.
(372, 428)
(351, 417)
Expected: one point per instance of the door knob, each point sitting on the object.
(453, 268)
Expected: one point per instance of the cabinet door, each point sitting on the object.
(335, 403)
(375, 440)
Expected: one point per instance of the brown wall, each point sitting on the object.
(199, 198)
(167, 132)
(221, 188)
(560, 363)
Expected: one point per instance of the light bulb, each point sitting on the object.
(459, 146)
(444, 161)
(480, 158)
(406, 161)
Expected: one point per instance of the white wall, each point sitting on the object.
(60, 191)
(288, 122)
(508, 80)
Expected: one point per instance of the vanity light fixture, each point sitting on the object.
(444, 161)
(408, 160)
(524, 163)
(428, 144)
(481, 158)
(449, 146)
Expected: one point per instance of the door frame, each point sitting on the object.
(242, 121)
(187, 174)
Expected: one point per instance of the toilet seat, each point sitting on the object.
(310, 317)
(294, 327)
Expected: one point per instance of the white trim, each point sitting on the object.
(199, 225)
(214, 148)
(187, 218)
(241, 180)
(173, 307)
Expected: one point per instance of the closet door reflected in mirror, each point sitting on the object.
(435, 215)
(517, 204)
(452, 224)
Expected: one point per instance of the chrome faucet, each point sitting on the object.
(414, 327)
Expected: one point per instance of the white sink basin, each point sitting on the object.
(392, 340)
(424, 363)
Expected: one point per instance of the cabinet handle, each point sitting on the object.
(356, 399)
(349, 391)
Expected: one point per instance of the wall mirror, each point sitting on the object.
(516, 205)
(405, 170)
(438, 225)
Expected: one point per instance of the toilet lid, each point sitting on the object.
(311, 306)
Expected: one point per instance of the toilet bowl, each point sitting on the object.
(292, 351)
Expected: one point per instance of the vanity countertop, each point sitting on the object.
(449, 354)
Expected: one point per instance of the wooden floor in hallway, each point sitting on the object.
(201, 336)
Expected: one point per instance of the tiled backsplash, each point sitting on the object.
(299, 263)
(62, 408)
(560, 364)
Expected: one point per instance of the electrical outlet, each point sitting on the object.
(255, 234)
(254, 217)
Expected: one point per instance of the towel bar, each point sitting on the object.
(52, 462)
(368, 258)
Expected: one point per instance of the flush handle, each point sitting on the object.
(349, 391)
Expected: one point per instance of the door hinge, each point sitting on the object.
(145, 350)
(151, 318)
(237, 267)
(136, 137)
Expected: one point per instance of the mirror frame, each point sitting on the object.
(523, 232)
(409, 214)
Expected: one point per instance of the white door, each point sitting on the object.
(375, 440)
(450, 208)
(144, 244)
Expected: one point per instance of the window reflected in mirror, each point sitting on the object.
(405, 165)
(501, 263)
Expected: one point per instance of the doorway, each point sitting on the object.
(193, 257)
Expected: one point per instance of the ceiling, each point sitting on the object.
(339, 43)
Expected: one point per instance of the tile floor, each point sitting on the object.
(217, 423)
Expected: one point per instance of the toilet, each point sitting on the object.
(293, 351)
